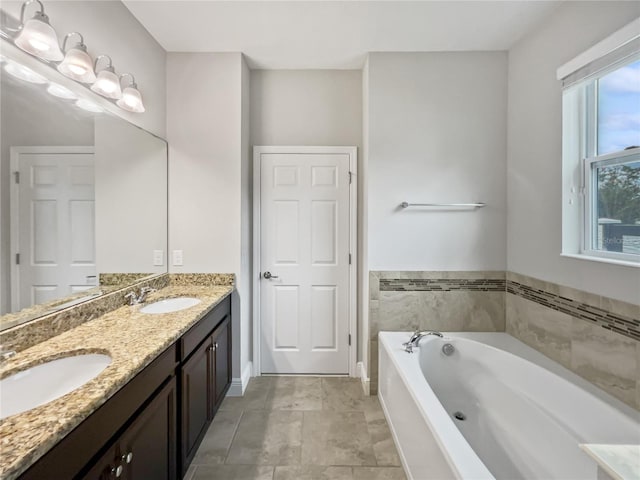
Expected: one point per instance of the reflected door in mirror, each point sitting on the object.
(53, 211)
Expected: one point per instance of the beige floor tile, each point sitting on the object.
(255, 397)
(342, 394)
(267, 438)
(336, 438)
(216, 442)
(383, 445)
(378, 473)
(313, 472)
(295, 393)
(234, 472)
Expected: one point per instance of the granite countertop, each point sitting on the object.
(132, 339)
(621, 462)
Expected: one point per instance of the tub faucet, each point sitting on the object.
(415, 339)
(137, 299)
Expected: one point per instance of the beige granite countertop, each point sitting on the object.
(132, 339)
(621, 462)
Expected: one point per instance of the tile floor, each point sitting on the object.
(298, 428)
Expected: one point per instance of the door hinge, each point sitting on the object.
(16, 176)
(349, 339)
(349, 259)
(350, 177)
(17, 259)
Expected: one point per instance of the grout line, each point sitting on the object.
(233, 437)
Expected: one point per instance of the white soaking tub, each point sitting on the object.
(524, 415)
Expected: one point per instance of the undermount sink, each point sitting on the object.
(44, 383)
(170, 305)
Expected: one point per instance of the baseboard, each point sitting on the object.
(239, 385)
(364, 379)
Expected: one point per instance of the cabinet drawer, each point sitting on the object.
(203, 328)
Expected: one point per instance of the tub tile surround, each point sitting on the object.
(596, 337)
(435, 300)
(28, 334)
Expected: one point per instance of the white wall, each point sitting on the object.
(306, 107)
(245, 285)
(131, 198)
(205, 134)
(436, 133)
(109, 28)
(535, 150)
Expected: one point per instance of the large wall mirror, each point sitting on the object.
(83, 196)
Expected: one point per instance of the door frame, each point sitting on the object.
(14, 203)
(352, 152)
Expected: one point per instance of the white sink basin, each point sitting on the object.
(170, 305)
(43, 383)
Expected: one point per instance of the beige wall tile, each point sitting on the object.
(606, 359)
(540, 327)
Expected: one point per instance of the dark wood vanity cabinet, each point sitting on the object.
(205, 379)
(147, 448)
(152, 427)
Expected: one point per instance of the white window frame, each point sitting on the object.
(590, 186)
(580, 138)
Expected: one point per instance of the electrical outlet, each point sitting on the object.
(177, 258)
(158, 258)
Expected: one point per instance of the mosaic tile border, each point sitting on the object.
(627, 326)
(442, 284)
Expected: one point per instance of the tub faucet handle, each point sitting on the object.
(415, 339)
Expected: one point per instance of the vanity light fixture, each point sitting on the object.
(77, 64)
(37, 37)
(107, 83)
(23, 73)
(89, 106)
(131, 100)
(61, 92)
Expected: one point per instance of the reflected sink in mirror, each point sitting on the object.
(44, 383)
(170, 305)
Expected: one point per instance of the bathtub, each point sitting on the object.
(520, 415)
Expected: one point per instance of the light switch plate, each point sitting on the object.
(177, 258)
(158, 258)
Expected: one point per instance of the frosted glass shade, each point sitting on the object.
(89, 106)
(23, 73)
(61, 92)
(38, 38)
(78, 66)
(131, 100)
(107, 84)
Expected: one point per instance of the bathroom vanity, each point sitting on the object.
(168, 376)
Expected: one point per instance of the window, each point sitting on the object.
(611, 170)
(601, 150)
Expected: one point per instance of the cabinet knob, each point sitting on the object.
(116, 471)
(128, 457)
(211, 348)
(215, 346)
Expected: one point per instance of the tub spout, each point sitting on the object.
(415, 339)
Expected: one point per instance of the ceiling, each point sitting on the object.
(335, 34)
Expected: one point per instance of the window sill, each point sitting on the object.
(612, 261)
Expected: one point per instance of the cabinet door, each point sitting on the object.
(222, 348)
(107, 467)
(148, 446)
(196, 399)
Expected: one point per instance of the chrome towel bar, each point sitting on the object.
(472, 205)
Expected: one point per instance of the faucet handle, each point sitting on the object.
(144, 290)
(131, 296)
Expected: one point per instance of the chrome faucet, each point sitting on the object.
(6, 354)
(138, 299)
(415, 339)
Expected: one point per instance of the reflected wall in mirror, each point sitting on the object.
(83, 195)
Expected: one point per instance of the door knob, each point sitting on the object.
(268, 275)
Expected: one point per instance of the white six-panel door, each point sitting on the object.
(53, 223)
(304, 263)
